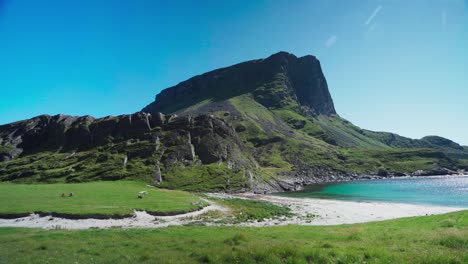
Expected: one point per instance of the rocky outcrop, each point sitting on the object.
(157, 174)
(154, 141)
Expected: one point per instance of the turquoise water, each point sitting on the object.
(443, 190)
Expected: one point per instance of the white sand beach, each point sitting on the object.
(336, 212)
(306, 212)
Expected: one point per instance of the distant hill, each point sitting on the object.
(261, 125)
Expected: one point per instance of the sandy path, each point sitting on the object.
(140, 220)
(326, 212)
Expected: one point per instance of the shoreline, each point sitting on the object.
(337, 182)
(306, 211)
(337, 212)
(301, 185)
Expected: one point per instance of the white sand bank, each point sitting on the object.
(326, 212)
(140, 220)
(335, 212)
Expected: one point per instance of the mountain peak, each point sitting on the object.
(281, 80)
(287, 55)
(282, 54)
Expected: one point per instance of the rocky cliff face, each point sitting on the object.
(277, 81)
(66, 133)
(125, 145)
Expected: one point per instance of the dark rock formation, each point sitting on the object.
(275, 82)
(161, 142)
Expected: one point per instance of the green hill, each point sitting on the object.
(262, 125)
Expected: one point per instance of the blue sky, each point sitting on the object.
(393, 65)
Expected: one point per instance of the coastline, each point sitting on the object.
(307, 211)
(337, 212)
(286, 185)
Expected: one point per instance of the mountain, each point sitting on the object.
(282, 80)
(261, 125)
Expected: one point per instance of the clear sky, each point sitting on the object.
(391, 65)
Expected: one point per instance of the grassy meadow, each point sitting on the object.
(103, 198)
(430, 239)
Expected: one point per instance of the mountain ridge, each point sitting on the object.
(262, 125)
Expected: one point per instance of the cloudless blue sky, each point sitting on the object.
(394, 65)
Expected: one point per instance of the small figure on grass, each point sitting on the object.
(71, 194)
(140, 194)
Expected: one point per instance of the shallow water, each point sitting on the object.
(441, 190)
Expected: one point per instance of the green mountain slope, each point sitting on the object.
(261, 125)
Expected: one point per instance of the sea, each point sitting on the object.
(435, 190)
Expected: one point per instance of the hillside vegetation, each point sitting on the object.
(262, 125)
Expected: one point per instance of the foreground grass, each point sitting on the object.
(105, 198)
(431, 239)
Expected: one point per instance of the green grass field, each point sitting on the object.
(430, 239)
(246, 210)
(103, 198)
